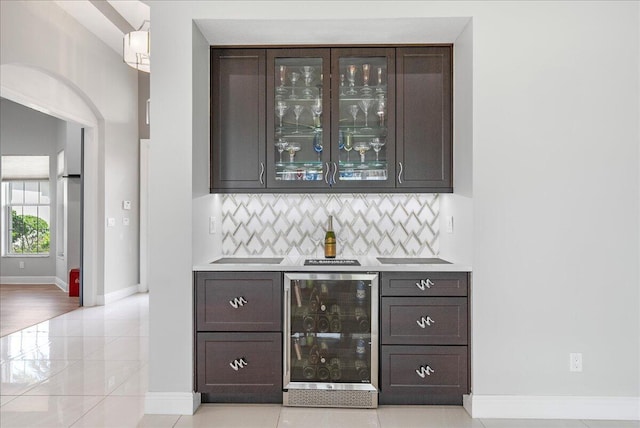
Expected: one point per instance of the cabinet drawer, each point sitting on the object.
(424, 283)
(423, 374)
(240, 367)
(423, 321)
(238, 301)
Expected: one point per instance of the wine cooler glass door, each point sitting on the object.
(331, 337)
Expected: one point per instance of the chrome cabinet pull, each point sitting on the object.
(238, 363)
(424, 283)
(326, 174)
(333, 176)
(423, 322)
(423, 371)
(238, 302)
(400, 173)
(261, 173)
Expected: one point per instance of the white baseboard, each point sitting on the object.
(61, 284)
(552, 407)
(28, 280)
(171, 403)
(116, 295)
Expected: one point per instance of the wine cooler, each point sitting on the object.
(330, 340)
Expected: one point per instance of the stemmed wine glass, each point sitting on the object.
(283, 76)
(342, 84)
(353, 109)
(377, 144)
(297, 110)
(281, 145)
(317, 145)
(281, 109)
(381, 110)
(351, 77)
(362, 147)
(307, 73)
(364, 105)
(366, 90)
(379, 88)
(348, 144)
(294, 78)
(316, 110)
(292, 148)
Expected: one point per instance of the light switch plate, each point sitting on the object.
(125, 221)
(126, 205)
(111, 221)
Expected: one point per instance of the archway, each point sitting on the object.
(54, 95)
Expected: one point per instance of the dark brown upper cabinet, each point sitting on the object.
(335, 119)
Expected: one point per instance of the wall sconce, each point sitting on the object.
(136, 49)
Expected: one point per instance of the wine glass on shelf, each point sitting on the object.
(307, 73)
(317, 145)
(351, 77)
(281, 145)
(382, 106)
(353, 110)
(297, 110)
(283, 77)
(342, 84)
(281, 109)
(366, 90)
(316, 110)
(379, 88)
(365, 104)
(376, 145)
(362, 147)
(348, 144)
(294, 78)
(292, 148)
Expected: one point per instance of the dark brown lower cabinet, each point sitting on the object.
(423, 374)
(240, 367)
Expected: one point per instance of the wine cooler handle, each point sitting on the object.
(238, 302)
(261, 173)
(424, 283)
(335, 170)
(326, 174)
(400, 173)
(287, 335)
(425, 370)
(425, 322)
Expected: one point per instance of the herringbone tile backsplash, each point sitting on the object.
(377, 224)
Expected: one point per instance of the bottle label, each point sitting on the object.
(330, 249)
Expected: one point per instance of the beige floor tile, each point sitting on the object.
(426, 417)
(137, 384)
(116, 412)
(612, 424)
(532, 423)
(19, 376)
(158, 421)
(232, 416)
(293, 417)
(4, 399)
(45, 411)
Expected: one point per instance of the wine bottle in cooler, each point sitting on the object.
(335, 322)
(308, 320)
(309, 370)
(323, 372)
(362, 319)
(362, 370)
(335, 369)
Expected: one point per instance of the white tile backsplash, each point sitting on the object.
(283, 224)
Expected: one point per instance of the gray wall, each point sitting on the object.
(24, 131)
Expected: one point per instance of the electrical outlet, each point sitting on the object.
(21, 265)
(575, 362)
(125, 221)
(449, 224)
(111, 221)
(126, 205)
(212, 225)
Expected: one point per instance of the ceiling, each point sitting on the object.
(109, 20)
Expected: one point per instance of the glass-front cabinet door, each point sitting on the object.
(363, 117)
(298, 118)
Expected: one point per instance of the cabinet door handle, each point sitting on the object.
(425, 322)
(240, 363)
(423, 371)
(326, 174)
(424, 283)
(238, 302)
(400, 173)
(333, 176)
(261, 173)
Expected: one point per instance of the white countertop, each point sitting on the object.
(296, 264)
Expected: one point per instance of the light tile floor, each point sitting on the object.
(88, 368)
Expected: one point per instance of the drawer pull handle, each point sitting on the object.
(239, 363)
(424, 283)
(424, 371)
(238, 302)
(424, 322)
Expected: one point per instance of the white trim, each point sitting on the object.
(117, 295)
(28, 280)
(62, 285)
(171, 403)
(552, 407)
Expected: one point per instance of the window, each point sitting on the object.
(26, 212)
